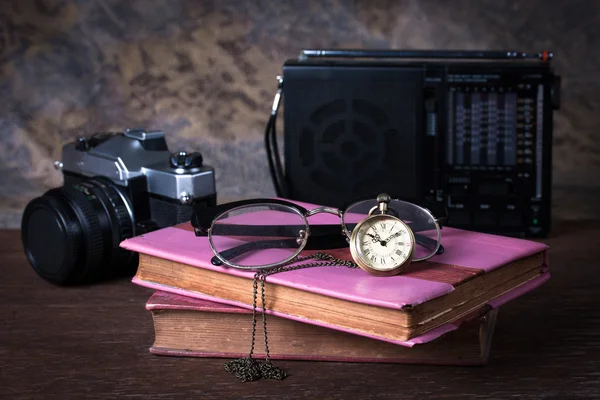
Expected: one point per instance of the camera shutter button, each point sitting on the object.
(82, 144)
(183, 159)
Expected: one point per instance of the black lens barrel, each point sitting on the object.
(71, 234)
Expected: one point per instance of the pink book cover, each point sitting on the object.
(466, 254)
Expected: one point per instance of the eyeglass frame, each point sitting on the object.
(202, 216)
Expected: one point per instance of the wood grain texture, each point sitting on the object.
(204, 72)
(92, 343)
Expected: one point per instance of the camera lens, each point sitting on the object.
(71, 234)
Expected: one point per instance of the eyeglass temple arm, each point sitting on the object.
(203, 216)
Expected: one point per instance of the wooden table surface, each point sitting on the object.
(92, 343)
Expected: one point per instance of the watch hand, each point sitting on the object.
(394, 235)
(374, 238)
(385, 242)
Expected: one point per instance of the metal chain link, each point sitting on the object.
(247, 369)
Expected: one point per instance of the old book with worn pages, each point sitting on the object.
(417, 306)
(189, 327)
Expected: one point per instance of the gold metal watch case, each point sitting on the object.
(360, 259)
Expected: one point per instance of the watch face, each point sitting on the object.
(383, 242)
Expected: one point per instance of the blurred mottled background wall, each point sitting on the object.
(204, 72)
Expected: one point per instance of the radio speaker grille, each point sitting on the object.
(351, 132)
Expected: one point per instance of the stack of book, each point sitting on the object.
(441, 311)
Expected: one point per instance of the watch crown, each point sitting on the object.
(383, 199)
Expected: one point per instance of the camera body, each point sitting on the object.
(116, 185)
(161, 187)
(468, 130)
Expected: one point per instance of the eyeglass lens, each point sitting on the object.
(420, 221)
(258, 235)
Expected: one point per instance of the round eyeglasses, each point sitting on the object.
(265, 233)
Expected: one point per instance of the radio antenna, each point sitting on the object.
(455, 54)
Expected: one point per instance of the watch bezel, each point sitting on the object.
(360, 260)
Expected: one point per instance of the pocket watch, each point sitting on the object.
(382, 244)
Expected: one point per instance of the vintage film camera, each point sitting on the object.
(468, 130)
(116, 185)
